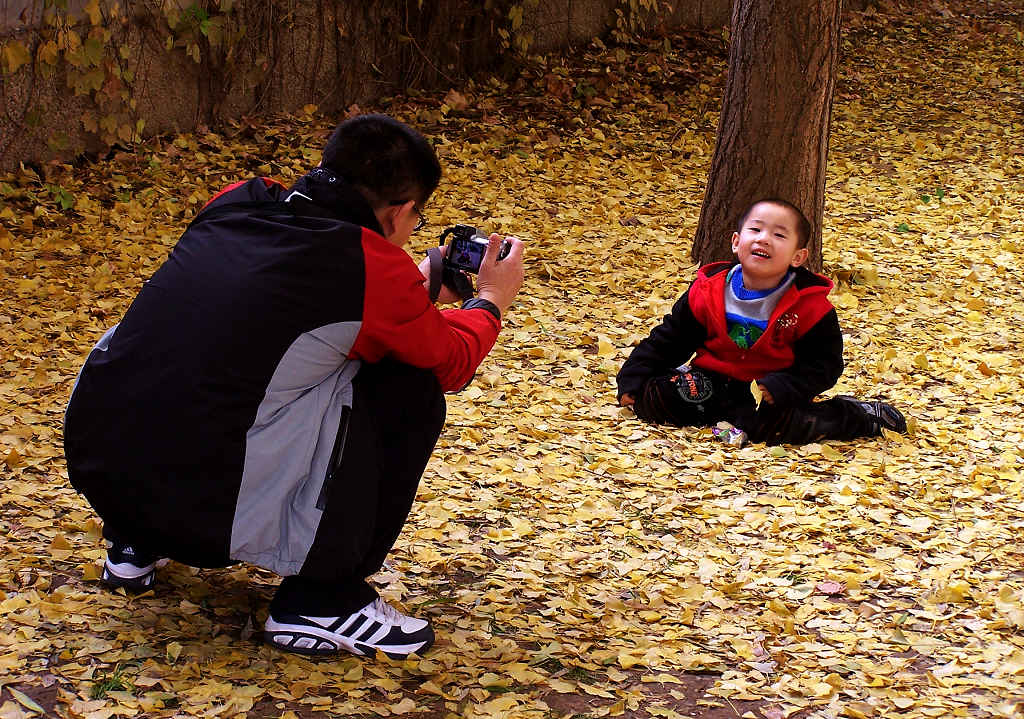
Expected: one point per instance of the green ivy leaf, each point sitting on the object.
(76, 58)
(93, 48)
(89, 123)
(61, 197)
(14, 56)
(515, 15)
(58, 142)
(48, 53)
(108, 124)
(92, 9)
(93, 79)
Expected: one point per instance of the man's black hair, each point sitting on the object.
(386, 160)
(803, 226)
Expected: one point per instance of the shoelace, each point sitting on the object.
(388, 612)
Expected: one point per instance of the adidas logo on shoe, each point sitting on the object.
(376, 626)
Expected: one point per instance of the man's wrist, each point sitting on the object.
(479, 303)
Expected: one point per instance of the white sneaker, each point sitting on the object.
(378, 625)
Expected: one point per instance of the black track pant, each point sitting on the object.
(397, 415)
(700, 398)
(830, 419)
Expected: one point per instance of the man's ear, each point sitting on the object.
(800, 257)
(735, 241)
(387, 216)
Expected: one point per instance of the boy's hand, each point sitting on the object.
(626, 400)
(766, 396)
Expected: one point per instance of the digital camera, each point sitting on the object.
(467, 247)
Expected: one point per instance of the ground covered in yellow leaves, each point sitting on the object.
(574, 561)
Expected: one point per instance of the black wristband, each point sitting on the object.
(476, 303)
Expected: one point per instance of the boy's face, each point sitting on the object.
(768, 245)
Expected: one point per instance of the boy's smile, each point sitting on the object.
(767, 245)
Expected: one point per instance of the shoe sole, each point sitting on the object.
(284, 637)
(359, 650)
(285, 641)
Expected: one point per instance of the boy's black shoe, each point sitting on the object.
(129, 567)
(881, 413)
(376, 626)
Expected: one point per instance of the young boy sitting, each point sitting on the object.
(767, 319)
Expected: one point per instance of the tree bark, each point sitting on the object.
(774, 125)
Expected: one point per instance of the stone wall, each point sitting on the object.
(329, 53)
(560, 23)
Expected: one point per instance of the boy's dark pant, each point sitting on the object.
(700, 398)
(396, 418)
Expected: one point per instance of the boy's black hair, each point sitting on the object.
(803, 226)
(386, 160)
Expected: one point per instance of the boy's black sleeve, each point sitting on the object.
(669, 345)
(817, 367)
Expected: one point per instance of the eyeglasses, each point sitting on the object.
(422, 222)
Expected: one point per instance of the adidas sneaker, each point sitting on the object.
(129, 567)
(376, 626)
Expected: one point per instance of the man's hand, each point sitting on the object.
(766, 396)
(447, 295)
(626, 400)
(499, 280)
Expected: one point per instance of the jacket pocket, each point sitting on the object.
(337, 452)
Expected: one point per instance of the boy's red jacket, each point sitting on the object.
(799, 355)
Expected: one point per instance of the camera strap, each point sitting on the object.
(440, 275)
(436, 267)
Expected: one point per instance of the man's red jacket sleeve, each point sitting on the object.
(399, 320)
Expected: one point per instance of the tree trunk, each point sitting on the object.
(773, 130)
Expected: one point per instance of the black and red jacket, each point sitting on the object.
(205, 420)
(799, 355)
